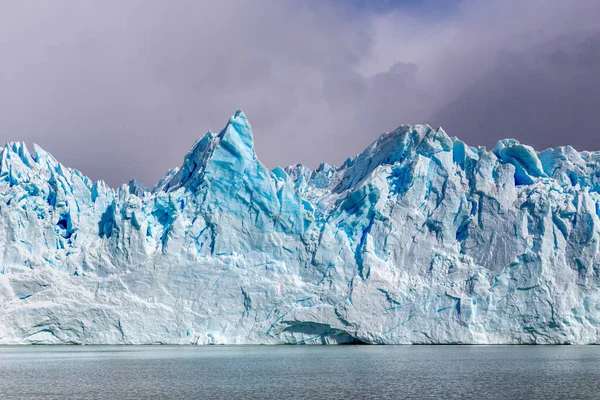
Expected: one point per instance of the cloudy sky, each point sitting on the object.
(122, 88)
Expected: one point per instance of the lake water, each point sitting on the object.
(309, 372)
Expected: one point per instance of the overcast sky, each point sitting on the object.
(122, 88)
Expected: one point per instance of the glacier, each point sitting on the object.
(420, 239)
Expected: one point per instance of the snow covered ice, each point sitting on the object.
(419, 239)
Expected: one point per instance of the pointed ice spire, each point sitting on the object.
(160, 186)
(237, 137)
(193, 165)
(18, 149)
(16, 162)
(42, 157)
(231, 148)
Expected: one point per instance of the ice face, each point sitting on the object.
(418, 239)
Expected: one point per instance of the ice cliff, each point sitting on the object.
(418, 239)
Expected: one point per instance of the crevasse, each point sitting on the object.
(418, 239)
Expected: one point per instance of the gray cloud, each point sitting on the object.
(122, 89)
(547, 97)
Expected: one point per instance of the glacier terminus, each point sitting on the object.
(420, 239)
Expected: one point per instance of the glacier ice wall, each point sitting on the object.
(419, 239)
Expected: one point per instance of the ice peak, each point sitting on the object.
(237, 137)
(239, 114)
(18, 149)
(193, 165)
(234, 142)
(42, 157)
(403, 143)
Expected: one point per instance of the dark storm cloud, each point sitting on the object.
(121, 89)
(546, 97)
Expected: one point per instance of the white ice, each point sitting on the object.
(419, 239)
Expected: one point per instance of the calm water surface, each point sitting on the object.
(309, 372)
